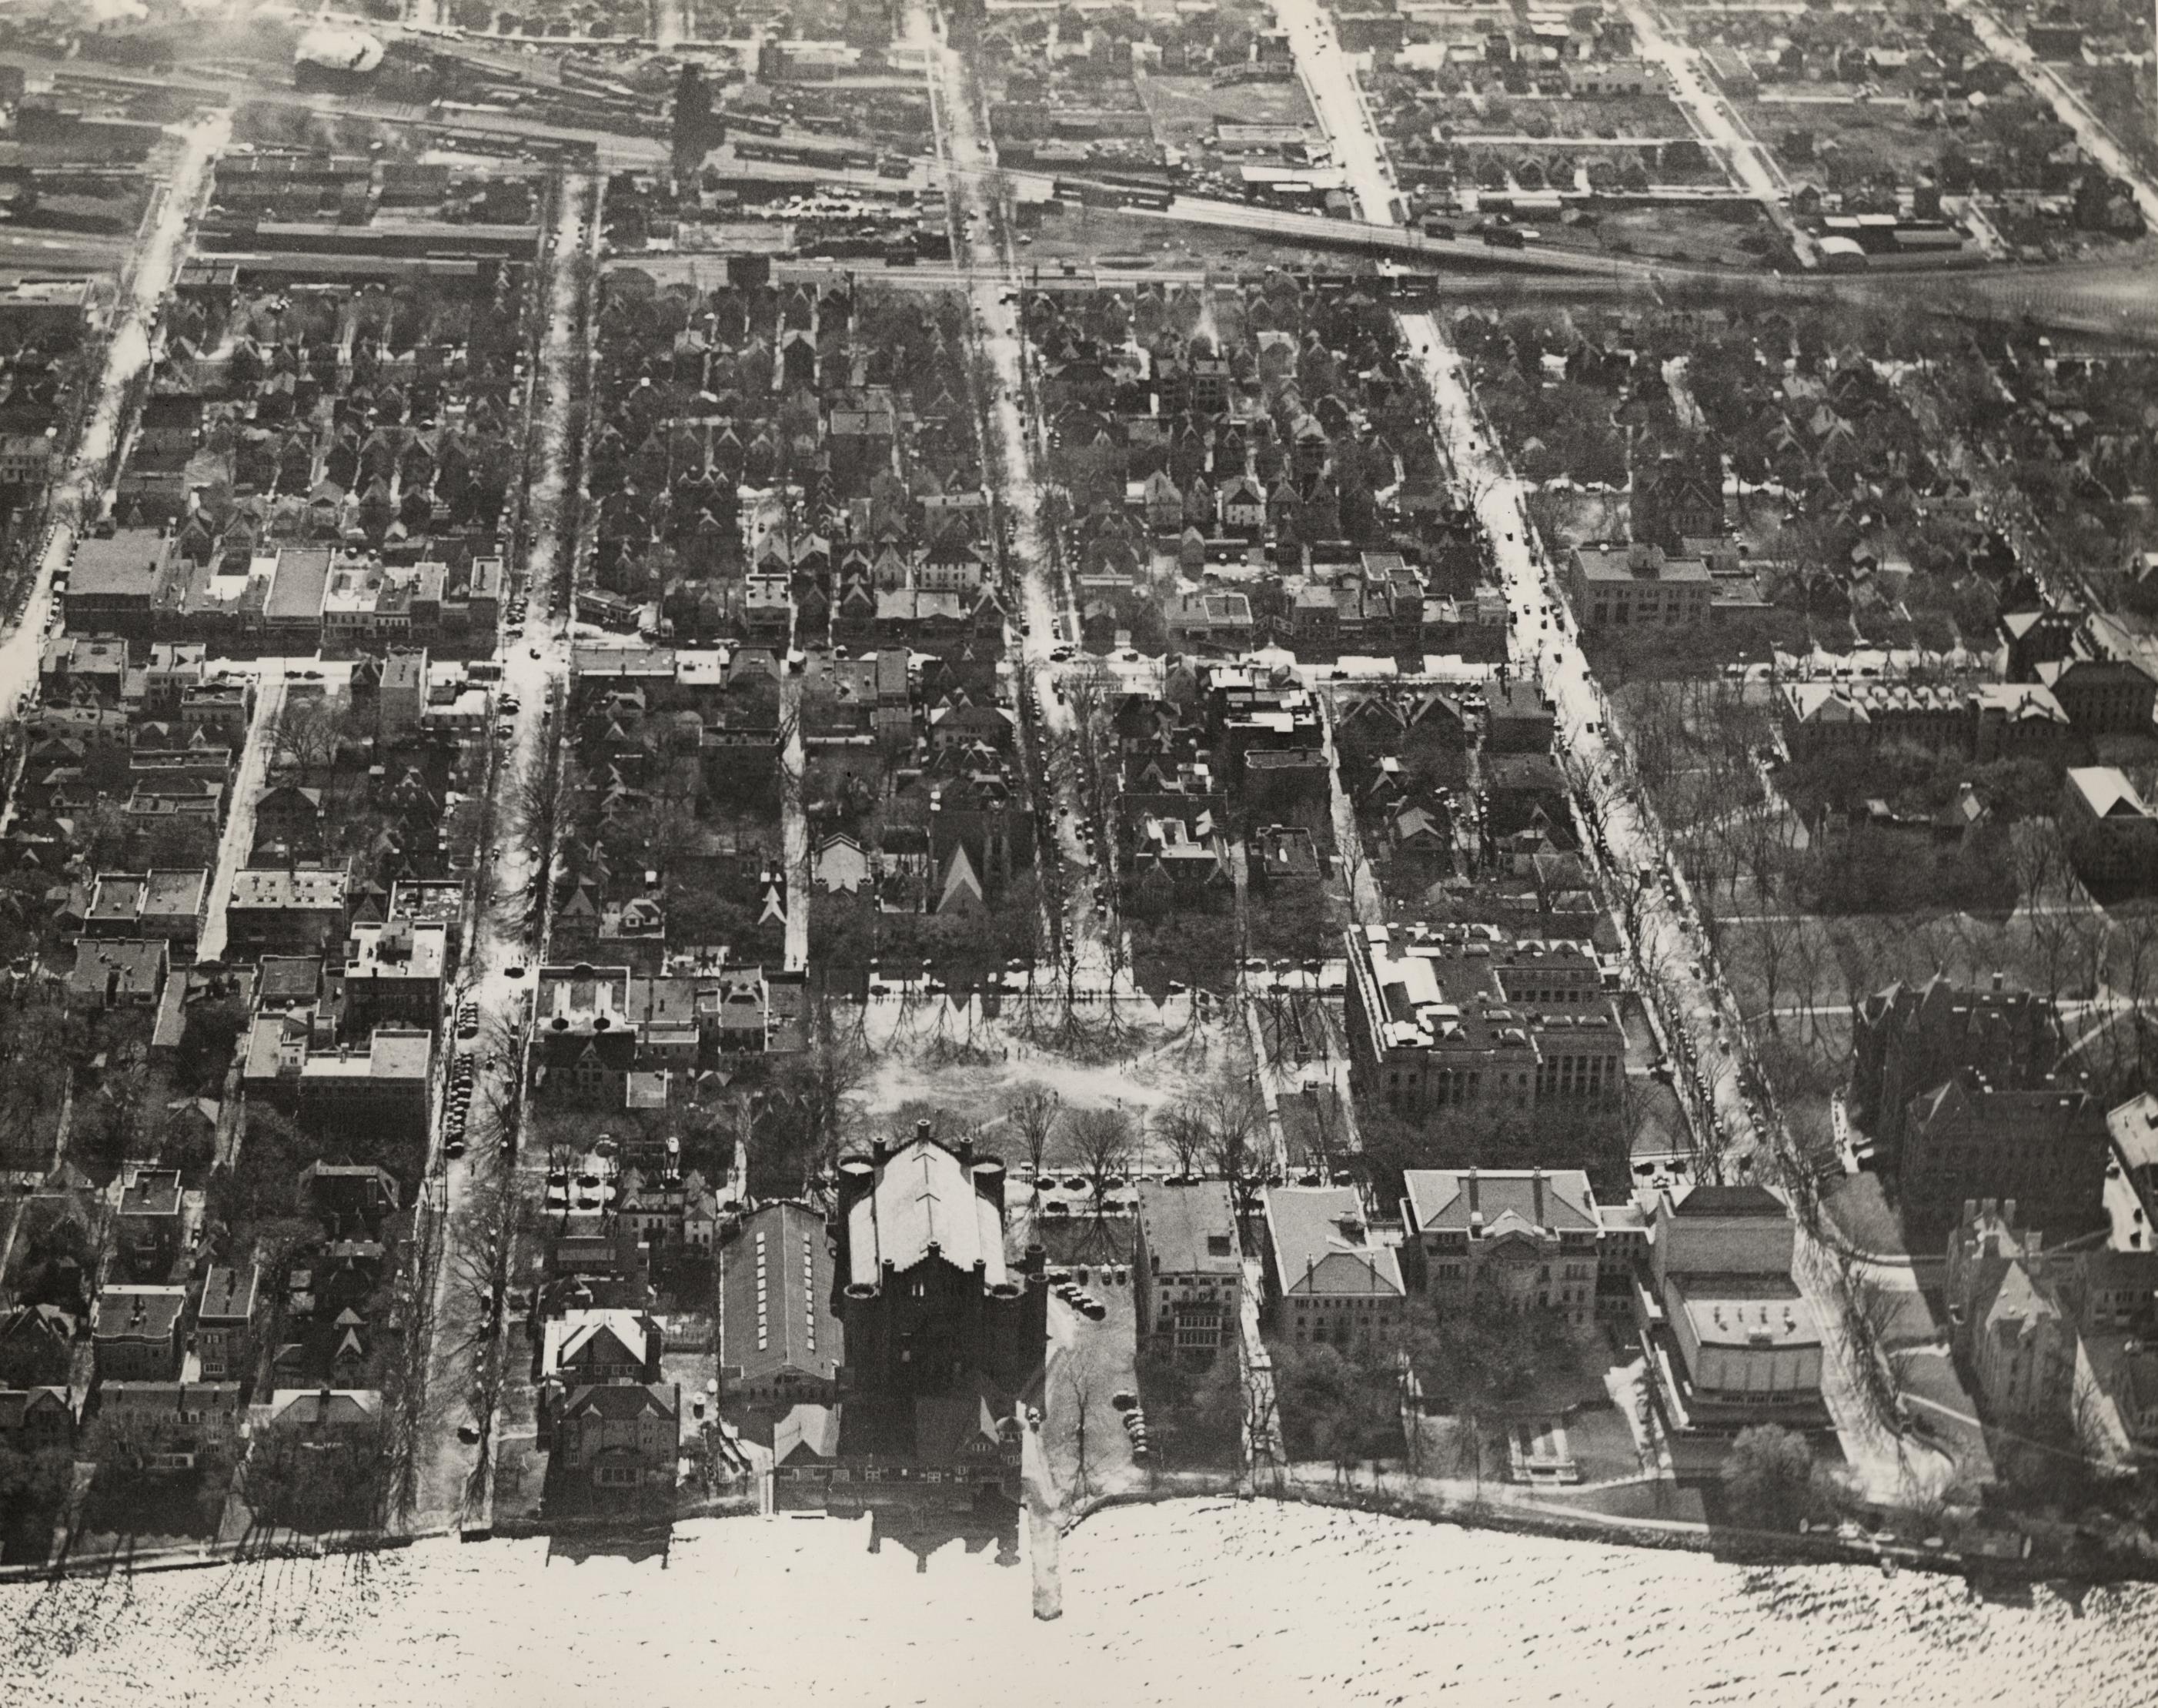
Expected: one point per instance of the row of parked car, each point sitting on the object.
(460, 1109)
(1135, 1425)
(1082, 1301)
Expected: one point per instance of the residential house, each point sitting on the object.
(392, 976)
(150, 1204)
(114, 972)
(585, 1348)
(624, 1436)
(34, 1420)
(325, 1417)
(167, 904)
(36, 1346)
(285, 911)
(222, 1317)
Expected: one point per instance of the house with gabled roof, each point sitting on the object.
(624, 1437)
(779, 1340)
(1329, 1277)
(1532, 1233)
(2110, 831)
(585, 1348)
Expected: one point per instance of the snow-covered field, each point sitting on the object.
(1199, 1602)
(935, 1051)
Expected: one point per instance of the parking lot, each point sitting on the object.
(1092, 1365)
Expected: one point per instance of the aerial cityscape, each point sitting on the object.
(1202, 846)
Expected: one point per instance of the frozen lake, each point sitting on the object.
(1200, 1602)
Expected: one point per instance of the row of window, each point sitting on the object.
(871, 1473)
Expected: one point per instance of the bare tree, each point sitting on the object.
(1103, 1137)
(1806, 956)
(1772, 936)
(1079, 1396)
(1236, 1122)
(309, 728)
(2139, 960)
(1183, 1127)
(1032, 1110)
(2048, 894)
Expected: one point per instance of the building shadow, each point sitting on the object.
(922, 1530)
(627, 1540)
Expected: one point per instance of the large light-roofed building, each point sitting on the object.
(1329, 1277)
(1731, 1341)
(1444, 1023)
(2111, 831)
(285, 910)
(381, 1090)
(1533, 1233)
(1637, 586)
(927, 1299)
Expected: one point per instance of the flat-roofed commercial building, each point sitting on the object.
(1190, 1265)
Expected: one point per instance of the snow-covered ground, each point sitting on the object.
(79, 490)
(1193, 1603)
(933, 1050)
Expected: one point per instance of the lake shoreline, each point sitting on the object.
(1729, 1543)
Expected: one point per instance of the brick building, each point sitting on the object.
(1188, 1267)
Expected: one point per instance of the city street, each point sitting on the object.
(1667, 938)
(1718, 124)
(504, 957)
(1043, 614)
(237, 840)
(2011, 48)
(79, 491)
